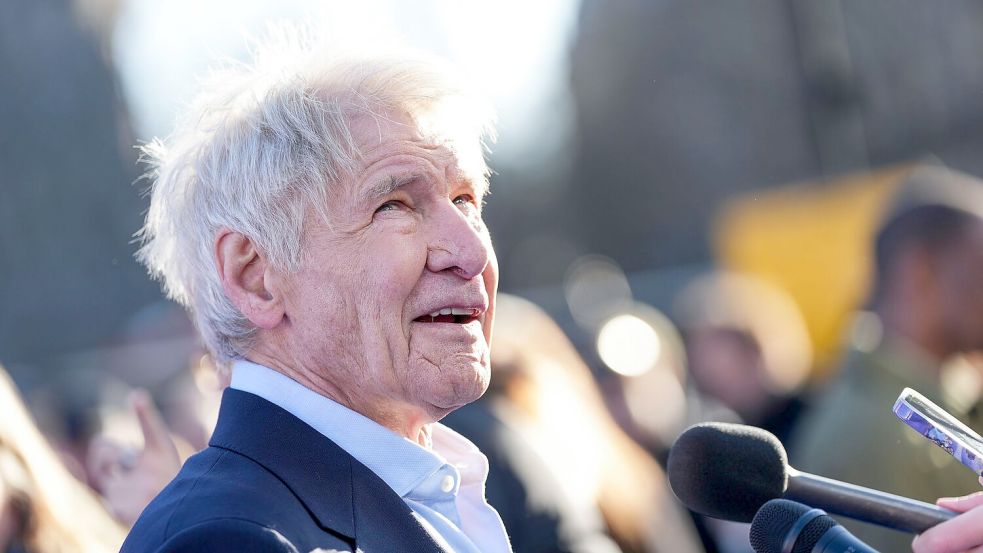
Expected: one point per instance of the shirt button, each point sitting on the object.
(447, 484)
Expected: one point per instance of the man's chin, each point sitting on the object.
(459, 390)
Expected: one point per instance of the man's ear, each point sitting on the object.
(243, 269)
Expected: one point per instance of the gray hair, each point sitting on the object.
(257, 150)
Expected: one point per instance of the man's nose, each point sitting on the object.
(459, 244)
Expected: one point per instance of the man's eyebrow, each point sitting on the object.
(481, 186)
(388, 185)
(478, 182)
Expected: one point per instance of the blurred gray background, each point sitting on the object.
(626, 126)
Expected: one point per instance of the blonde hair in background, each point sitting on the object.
(761, 310)
(536, 367)
(58, 514)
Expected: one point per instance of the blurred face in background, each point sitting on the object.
(727, 364)
(959, 289)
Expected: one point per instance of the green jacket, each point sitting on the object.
(851, 434)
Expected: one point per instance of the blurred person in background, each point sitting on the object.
(159, 354)
(746, 347)
(129, 479)
(654, 406)
(562, 470)
(126, 471)
(926, 305)
(43, 507)
(747, 357)
(74, 407)
(321, 219)
(159, 350)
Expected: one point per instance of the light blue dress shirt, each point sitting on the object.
(444, 486)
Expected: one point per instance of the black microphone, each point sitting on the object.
(729, 471)
(783, 526)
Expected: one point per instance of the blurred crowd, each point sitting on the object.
(577, 435)
(812, 307)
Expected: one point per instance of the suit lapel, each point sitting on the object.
(383, 521)
(341, 493)
(316, 470)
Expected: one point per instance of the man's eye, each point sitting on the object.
(391, 205)
(464, 199)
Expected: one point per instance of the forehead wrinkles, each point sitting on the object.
(398, 162)
(460, 156)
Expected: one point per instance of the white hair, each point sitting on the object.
(258, 149)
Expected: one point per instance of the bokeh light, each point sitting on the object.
(629, 345)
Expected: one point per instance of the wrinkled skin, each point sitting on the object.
(405, 238)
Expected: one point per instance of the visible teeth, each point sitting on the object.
(455, 311)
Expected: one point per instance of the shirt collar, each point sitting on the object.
(402, 464)
(461, 453)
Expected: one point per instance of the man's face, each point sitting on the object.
(960, 290)
(394, 301)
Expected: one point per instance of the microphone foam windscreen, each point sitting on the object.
(776, 518)
(727, 471)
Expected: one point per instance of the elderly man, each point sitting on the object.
(322, 222)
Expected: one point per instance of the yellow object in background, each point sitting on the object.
(814, 240)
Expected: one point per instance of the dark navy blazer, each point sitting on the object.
(270, 482)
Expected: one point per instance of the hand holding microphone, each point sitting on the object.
(963, 534)
(783, 526)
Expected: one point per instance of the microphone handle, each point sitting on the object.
(864, 504)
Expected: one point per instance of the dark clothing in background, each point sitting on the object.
(538, 514)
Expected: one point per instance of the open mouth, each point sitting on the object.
(457, 315)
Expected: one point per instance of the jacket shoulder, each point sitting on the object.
(227, 534)
(220, 498)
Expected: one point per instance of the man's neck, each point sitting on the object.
(407, 421)
(914, 330)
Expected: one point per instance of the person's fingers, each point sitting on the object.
(963, 533)
(961, 504)
(156, 436)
